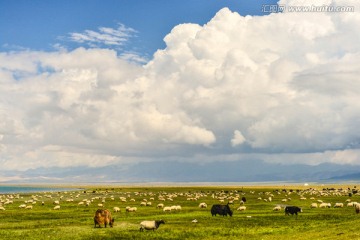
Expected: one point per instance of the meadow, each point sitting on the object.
(259, 221)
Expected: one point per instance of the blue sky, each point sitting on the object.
(110, 83)
(39, 24)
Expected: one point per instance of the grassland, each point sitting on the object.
(258, 221)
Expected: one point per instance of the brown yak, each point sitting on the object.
(103, 217)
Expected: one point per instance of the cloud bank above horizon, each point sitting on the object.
(282, 87)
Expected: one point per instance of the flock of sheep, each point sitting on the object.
(131, 202)
(316, 195)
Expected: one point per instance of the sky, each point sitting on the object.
(47, 25)
(102, 83)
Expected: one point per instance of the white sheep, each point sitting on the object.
(160, 205)
(57, 207)
(167, 209)
(132, 209)
(241, 208)
(357, 207)
(277, 208)
(202, 205)
(2, 208)
(116, 209)
(175, 207)
(351, 204)
(338, 205)
(313, 205)
(29, 207)
(325, 205)
(150, 225)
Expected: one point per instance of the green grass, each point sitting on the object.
(257, 222)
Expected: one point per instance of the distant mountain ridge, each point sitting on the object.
(172, 171)
(347, 177)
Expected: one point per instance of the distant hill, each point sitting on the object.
(347, 177)
(173, 171)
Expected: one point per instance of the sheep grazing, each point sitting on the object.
(131, 209)
(241, 208)
(357, 207)
(167, 209)
(176, 207)
(338, 205)
(202, 205)
(313, 205)
(103, 217)
(57, 207)
(325, 205)
(277, 208)
(351, 204)
(116, 209)
(150, 225)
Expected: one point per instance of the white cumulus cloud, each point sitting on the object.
(285, 84)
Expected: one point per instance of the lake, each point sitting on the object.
(31, 189)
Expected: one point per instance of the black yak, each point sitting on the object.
(223, 210)
(292, 210)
